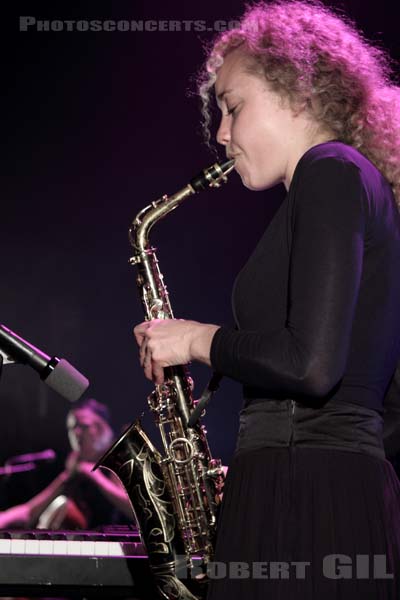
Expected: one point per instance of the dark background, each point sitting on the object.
(96, 125)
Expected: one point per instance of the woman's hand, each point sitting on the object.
(170, 342)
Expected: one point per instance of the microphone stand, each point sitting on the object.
(20, 468)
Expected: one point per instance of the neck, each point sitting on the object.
(299, 151)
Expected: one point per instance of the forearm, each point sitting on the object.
(113, 492)
(16, 516)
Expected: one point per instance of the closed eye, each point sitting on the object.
(230, 111)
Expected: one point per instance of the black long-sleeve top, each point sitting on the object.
(317, 305)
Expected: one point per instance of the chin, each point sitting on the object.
(246, 181)
(253, 186)
(251, 183)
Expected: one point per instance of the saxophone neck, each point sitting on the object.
(142, 224)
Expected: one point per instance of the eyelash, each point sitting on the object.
(230, 111)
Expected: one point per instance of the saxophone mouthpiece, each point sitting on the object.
(226, 166)
(212, 176)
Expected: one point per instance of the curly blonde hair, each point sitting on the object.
(316, 58)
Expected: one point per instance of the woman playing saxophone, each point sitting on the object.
(306, 102)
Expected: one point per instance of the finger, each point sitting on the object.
(147, 365)
(158, 373)
(142, 352)
(140, 331)
(139, 337)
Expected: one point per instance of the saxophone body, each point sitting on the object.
(174, 494)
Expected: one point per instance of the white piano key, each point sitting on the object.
(60, 547)
(87, 548)
(5, 546)
(17, 546)
(115, 549)
(74, 547)
(32, 546)
(101, 548)
(46, 547)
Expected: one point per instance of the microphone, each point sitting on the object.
(57, 373)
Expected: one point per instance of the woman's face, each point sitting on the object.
(259, 131)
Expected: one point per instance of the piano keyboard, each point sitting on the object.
(109, 563)
(123, 542)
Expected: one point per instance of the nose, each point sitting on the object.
(224, 131)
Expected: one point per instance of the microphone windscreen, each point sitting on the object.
(67, 381)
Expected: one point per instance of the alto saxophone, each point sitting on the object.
(174, 495)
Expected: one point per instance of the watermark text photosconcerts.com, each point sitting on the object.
(30, 23)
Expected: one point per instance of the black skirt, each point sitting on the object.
(308, 524)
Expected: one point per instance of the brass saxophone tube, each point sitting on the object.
(174, 495)
(142, 224)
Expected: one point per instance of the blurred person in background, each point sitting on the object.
(77, 498)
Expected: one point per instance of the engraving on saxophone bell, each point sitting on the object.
(174, 495)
